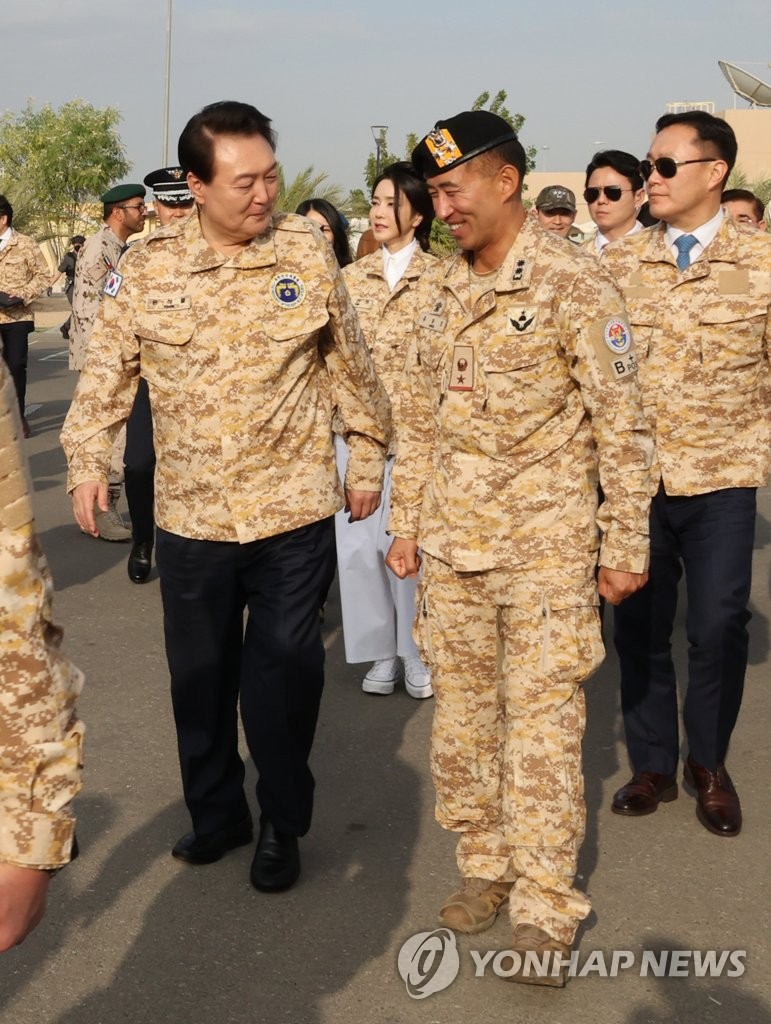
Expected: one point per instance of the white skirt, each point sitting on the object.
(378, 608)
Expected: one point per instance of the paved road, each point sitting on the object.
(133, 936)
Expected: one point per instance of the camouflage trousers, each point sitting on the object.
(40, 734)
(508, 652)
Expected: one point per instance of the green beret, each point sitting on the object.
(120, 193)
(458, 139)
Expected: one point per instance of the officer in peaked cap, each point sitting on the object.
(173, 199)
(520, 389)
(556, 209)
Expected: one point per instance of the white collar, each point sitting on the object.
(703, 234)
(395, 264)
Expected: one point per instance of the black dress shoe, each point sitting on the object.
(643, 793)
(717, 802)
(140, 562)
(207, 849)
(276, 864)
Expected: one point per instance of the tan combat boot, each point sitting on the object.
(109, 524)
(475, 907)
(541, 967)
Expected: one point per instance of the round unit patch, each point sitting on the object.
(288, 290)
(617, 336)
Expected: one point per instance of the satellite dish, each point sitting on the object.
(746, 85)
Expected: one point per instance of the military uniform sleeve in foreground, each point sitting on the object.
(105, 392)
(40, 734)
(417, 427)
(362, 403)
(602, 358)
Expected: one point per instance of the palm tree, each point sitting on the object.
(309, 185)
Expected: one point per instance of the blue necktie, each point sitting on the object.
(684, 244)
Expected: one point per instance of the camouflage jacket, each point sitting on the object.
(97, 258)
(387, 318)
(702, 339)
(245, 357)
(40, 735)
(517, 407)
(23, 272)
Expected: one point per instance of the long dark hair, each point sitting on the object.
(408, 182)
(337, 223)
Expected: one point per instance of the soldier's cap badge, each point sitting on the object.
(617, 336)
(288, 290)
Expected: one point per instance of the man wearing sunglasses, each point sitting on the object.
(95, 271)
(697, 291)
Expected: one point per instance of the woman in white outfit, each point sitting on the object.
(379, 609)
(614, 194)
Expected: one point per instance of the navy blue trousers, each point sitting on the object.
(139, 467)
(274, 664)
(15, 344)
(710, 537)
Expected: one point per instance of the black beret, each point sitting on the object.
(120, 193)
(458, 139)
(169, 185)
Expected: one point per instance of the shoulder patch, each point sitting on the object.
(613, 347)
(112, 284)
(288, 290)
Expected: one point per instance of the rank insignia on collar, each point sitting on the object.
(288, 290)
(519, 271)
(438, 306)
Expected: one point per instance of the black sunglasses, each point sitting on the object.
(667, 167)
(612, 192)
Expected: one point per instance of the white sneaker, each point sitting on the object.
(417, 678)
(382, 676)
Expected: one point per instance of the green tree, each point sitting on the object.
(497, 105)
(309, 185)
(54, 162)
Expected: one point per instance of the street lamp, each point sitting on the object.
(379, 135)
(167, 87)
(544, 150)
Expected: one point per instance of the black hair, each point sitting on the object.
(406, 180)
(195, 149)
(6, 210)
(732, 194)
(337, 223)
(622, 163)
(511, 152)
(710, 129)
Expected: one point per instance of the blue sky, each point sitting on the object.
(586, 75)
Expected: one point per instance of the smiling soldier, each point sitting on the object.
(522, 396)
(239, 321)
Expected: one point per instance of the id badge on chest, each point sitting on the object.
(462, 375)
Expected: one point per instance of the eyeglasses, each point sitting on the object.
(611, 192)
(667, 167)
(141, 207)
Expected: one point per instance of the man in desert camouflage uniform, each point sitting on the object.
(698, 290)
(40, 735)
(523, 395)
(124, 215)
(239, 321)
(23, 276)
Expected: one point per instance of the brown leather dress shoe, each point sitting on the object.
(643, 793)
(717, 802)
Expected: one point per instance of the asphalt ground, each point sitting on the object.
(132, 935)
